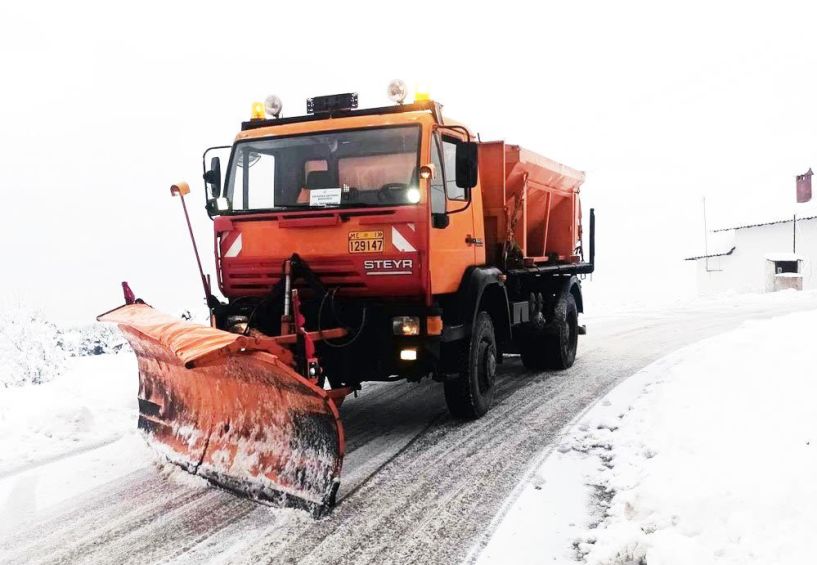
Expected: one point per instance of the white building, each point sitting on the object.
(761, 258)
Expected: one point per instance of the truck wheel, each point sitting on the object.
(471, 393)
(552, 346)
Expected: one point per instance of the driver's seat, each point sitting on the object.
(315, 180)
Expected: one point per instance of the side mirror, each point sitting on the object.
(440, 220)
(213, 177)
(467, 165)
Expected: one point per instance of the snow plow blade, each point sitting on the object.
(230, 408)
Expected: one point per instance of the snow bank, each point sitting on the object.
(93, 403)
(706, 456)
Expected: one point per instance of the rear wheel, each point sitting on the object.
(552, 345)
(471, 393)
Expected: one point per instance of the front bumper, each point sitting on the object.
(374, 354)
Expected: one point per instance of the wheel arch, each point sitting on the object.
(560, 286)
(482, 288)
(574, 287)
(494, 301)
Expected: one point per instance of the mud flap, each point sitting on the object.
(228, 408)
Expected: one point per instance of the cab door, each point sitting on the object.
(454, 247)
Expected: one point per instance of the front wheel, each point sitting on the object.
(471, 394)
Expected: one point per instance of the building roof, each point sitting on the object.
(711, 255)
(783, 257)
(765, 224)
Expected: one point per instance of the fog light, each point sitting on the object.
(405, 325)
(408, 354)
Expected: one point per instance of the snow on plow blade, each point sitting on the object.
(230, 408)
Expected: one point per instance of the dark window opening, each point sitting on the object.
(785, 267)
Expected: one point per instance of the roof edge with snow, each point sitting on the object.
(765, 224)
(711, 255)
(784, 256)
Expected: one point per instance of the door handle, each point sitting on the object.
(469, 240)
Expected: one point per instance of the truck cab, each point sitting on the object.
(347, 193)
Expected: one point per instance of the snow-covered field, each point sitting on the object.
(706, 456)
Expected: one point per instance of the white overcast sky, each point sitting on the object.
(104, 106)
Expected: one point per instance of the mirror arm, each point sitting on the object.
(463, 129)
(463, 209)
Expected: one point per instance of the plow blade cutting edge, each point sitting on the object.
(231, 409)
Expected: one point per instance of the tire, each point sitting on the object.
(471, 394)
(552, 346)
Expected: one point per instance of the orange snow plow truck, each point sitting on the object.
(355, 245)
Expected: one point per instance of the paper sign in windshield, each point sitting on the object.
(324, 197)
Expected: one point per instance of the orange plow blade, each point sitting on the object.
(231, 409)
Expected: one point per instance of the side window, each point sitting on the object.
(254, 173)
(450, 155)
(438, 182)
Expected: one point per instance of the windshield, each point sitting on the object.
(368, 167)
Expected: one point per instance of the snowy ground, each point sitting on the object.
(77, 482)
(90, 408)
(93, 403)
(705, 456)
(72, 435)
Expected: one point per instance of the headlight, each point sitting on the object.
(397, 91)
(408, 354)
(405, 325)
(413, 195)
(273, 106)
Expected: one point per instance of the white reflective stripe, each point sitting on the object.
(411, 227)
(235, 248)
(400, 242)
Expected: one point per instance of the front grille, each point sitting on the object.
(251, 277)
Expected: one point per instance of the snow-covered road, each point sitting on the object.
(418, 486)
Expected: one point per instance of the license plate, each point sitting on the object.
(366, 242)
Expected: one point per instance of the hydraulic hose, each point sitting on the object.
(337, 318)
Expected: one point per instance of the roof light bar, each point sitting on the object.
(331, 103)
